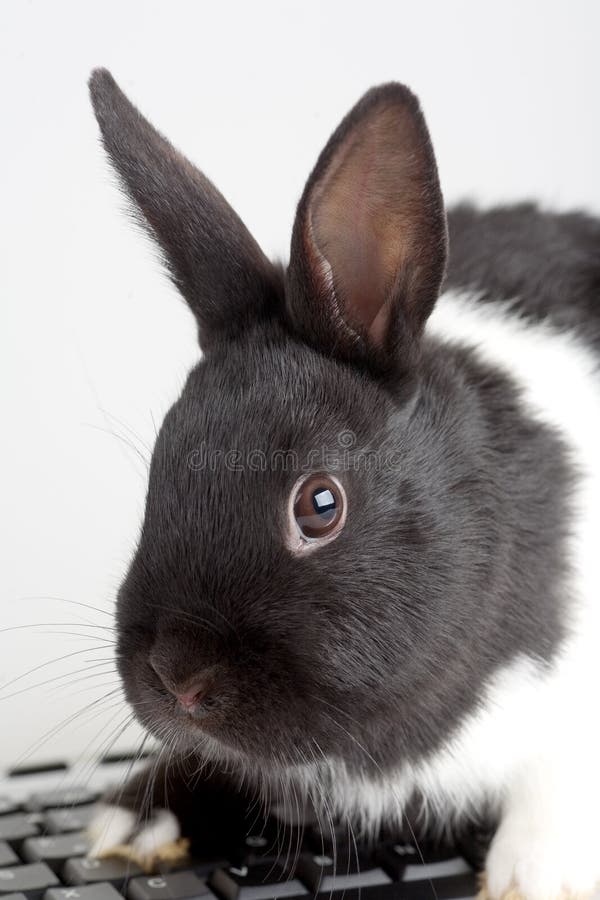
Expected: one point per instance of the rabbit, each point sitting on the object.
(367, 579)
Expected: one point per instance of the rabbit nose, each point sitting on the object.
(195, 693)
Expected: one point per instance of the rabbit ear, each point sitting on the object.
(369, 242)
(213, 259)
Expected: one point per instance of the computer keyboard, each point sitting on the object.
(43, 856)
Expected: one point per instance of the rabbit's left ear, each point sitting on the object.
(213, 259)
(369, 242)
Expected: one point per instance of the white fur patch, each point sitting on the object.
(110, 827)
(163, 828)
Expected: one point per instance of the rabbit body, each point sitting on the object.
(367, 579)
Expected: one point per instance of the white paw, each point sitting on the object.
(110, 827)
(116, 828)
(529, 865)
(161, 830)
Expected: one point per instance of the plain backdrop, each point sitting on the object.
(95, 343)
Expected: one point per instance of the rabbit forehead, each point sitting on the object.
(276, 396)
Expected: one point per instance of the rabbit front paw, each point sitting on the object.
(116, 832)
(523, 866)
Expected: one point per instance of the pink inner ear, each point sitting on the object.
(368, 213)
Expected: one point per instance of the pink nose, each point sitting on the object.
(193, 693)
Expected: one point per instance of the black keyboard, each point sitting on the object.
(43, 856)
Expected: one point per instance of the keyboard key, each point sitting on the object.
(458, 887)
(47, 768)
(322, 840)
(7, 855)
(111, 759)
(441, 869)
(261, 882)
(258, 845)
(7, 805)
(55, 849)
(15, 828)
(347, 870)
(66, 798)
(88, 871)
(60, 821)
(178, 886)
(396, 858)
(31, 880)
(270, 840)
(462, 887)
(98, 891)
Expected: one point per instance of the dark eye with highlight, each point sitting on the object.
(319, 507)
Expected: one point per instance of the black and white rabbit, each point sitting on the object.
(369, 570)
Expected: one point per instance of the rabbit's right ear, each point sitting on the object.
(213, 259)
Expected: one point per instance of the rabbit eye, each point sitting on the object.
(319, 507)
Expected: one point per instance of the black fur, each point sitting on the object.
(214, 261)
(547, 264)
(375, 647)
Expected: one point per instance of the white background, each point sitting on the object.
(93, 338)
